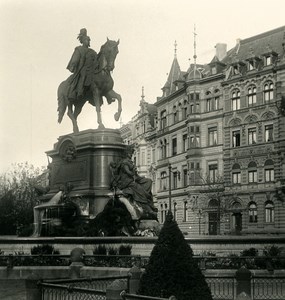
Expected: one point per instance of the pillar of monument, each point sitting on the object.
(82, 161)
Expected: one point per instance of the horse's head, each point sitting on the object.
(110, 51)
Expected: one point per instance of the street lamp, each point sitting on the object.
(169, 181)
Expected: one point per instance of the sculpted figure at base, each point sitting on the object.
(90, 82)
(134, 192)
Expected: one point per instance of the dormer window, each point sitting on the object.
(251, 65)
(267, 60)
(214, 70)
(236, 70)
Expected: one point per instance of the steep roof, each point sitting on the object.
(257, 45)
(173, 76)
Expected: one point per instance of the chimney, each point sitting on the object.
(221, 51)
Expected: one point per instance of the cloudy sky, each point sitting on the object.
(38, 39)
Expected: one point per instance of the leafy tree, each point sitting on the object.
(18, 197)
(172, 269)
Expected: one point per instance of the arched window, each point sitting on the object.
(185, 211)
(251, 95)
(184, 110)
(163, 181)
(175, 211)
(163, 122)
(235, 100)
(268, 91)
(213, 203)
(208, 101)
(269, 212)
(236, 174)
(252, 172)
(175, 115)
(161, 213)
(252, 212)
(269, 170)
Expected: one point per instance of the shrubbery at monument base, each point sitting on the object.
(171, 269)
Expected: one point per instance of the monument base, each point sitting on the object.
(81, 167)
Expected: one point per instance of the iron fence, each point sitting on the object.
(222, 287)
(63, 292)
(268, 287)
(96, 283)
(79, 289)
(127, 296)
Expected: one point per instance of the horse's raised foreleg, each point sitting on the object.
(111, 95)
(70, 113)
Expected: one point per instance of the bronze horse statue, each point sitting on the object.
(103, 86)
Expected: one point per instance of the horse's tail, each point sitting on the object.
(61, 103)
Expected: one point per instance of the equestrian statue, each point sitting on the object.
(90, 81)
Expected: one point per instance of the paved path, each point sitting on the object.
(12, 289)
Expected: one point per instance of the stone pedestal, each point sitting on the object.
(82, 161)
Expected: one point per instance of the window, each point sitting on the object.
(236, 174)
(174, 146)
(251, 95)
(216, 103)
(165, 211)
(175, 211)
(153, 155)
(163, 148)
(251, 136)
(236, 100)
(197, 108)
(161, 213)
(185, 211)
(212, 136)
(184, 112)
(268, 91)
(192, 109)
(208, 104)
(252, 172)
(163, 183)
(269, 171)
(236, 138)
(269, 212)
(213, 172)
(163, 123)
(250, 65)
(175, 115)
(175, 179)
(267, 60)
(252, 212)
(268, 133)
(185, 142)
(185, 177)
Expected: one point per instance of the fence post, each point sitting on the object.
(76, 258)
(135, 274)
(33, 290)
(243, 277)
(114, 290)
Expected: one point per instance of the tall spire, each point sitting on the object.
(142, 93)
(175, 49)
(195, 55)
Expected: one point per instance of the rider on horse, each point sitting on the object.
(82, 64)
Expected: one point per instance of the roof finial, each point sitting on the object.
(175, 48)
(142, 93)
(194, 56)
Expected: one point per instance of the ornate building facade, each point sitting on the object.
(214, 142)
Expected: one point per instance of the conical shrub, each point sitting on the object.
(172, 269)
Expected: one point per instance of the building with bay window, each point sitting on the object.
(213, 143)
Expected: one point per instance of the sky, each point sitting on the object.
(38, 39)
